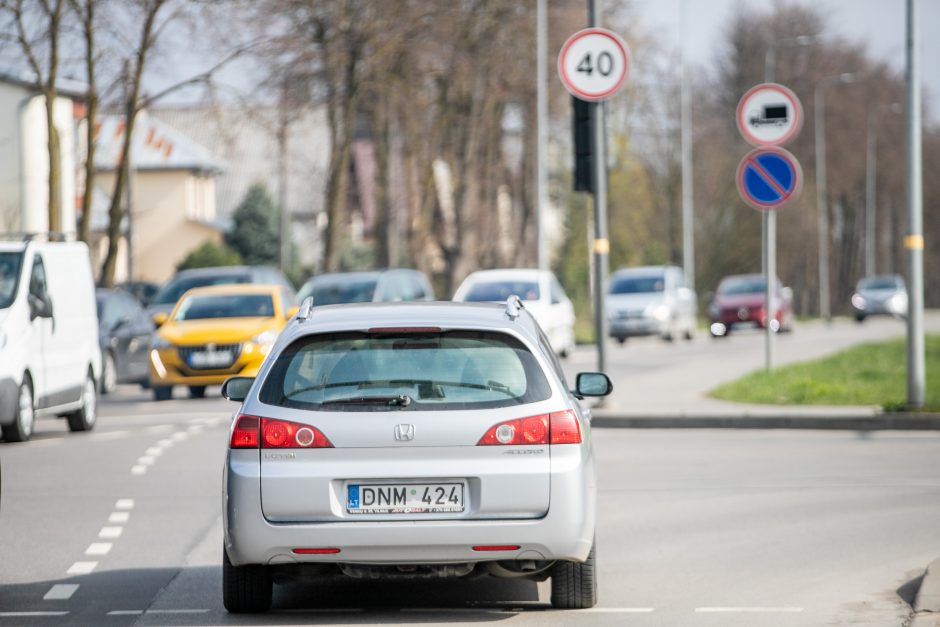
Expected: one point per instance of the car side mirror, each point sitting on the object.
(593, 384)
(160, 318)
(236, 388)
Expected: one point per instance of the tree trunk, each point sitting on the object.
(84, 224)
(55, 164)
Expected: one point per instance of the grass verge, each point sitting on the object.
(871, 374)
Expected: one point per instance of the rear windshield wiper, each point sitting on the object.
(400, 400)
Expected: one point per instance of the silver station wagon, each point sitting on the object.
(416, 440)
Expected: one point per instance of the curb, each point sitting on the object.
(928, 596)
(872, 422)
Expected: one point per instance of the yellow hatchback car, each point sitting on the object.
(214, 333)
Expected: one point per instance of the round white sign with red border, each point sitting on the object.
(769, 115)
(593, 64)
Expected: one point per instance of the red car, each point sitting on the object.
(740, 301)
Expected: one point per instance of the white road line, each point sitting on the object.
(124, 504)
(98, 548)
(30, 614)
(81, 568)
(146, 460)
(119, 517)
(749, 609)
(158, 428)
(125, 612)
(177, 611)
(179, 436)
(166, 443)
(154, 451)
(195, 429)
(61, 592)
(110, 533)
(138, 470)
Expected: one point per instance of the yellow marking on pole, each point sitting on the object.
(914, 242)
(601, 246)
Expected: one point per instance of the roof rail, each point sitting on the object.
(514, 306)
(306, 308)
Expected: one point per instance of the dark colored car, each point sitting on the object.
(741, 301)
(185, 280)
(124, 331)
(367, 287)
(144, 291)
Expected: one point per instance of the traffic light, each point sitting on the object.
(583, 145)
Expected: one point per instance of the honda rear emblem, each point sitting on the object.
(404, 432)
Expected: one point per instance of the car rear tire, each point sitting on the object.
(859, 318)
(621, 339)
(245, 589)
(163, 393)
(84, 418)
(108, 373)
(21, 428)
(197, 391)
(574, 584)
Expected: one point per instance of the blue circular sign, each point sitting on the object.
(768, 178)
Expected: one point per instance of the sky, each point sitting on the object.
(879, 23)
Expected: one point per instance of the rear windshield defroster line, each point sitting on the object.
(442, 370)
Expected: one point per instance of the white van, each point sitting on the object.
(49, 354)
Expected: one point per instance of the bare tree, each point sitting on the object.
(86, 10)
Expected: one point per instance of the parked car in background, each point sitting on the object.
(214, 333)
(185, 280)
(399, 284)
(124, 333)
(879, 296)
(143, 291)
(741, 300)
(650, 300)
(419, 440)
(541, 294)
(49, 355)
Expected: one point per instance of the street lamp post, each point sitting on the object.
(871, 177)
(822, 208)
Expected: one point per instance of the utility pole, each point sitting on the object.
(688, 210)
(541, 112)
(914, 242)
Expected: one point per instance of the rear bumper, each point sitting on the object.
(565, 532)
(634, 327)
(166, 368)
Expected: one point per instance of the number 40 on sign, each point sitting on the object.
(593, 64)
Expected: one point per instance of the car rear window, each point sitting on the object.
(174, 289)
(743, 285)
(340, 291)
(422, 371)
(498, 291)
(226, 306)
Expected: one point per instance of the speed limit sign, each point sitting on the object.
(593, 64)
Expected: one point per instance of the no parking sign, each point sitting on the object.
(769, 177)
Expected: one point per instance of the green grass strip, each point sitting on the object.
(870, 374)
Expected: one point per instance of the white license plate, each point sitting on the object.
(216, 358)
(405, 498)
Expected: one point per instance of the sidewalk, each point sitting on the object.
(659, 385)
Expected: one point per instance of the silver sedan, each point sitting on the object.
(410, 441)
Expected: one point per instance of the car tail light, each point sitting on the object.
(564, 428)
(252, 432)
(245, 434)
(560, 427)
(502, 547)
(315, 551)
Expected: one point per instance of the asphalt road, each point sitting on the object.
(122, 527)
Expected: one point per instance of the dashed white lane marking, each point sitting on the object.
(177, 611)
(124, 504)
(98, 548)
(81, 568)
(159, 428)
(61, 592)
(30, 614)
(138, 470)
(749, 609)
(146, 460)
(110, 533)
(119, 517)
(125, 612)
(195, 429)
(154, 451)
(165, 443)
(179, 436)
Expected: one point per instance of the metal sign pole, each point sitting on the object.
(601, 243)
(914, 242)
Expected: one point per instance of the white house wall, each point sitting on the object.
(11, 97)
